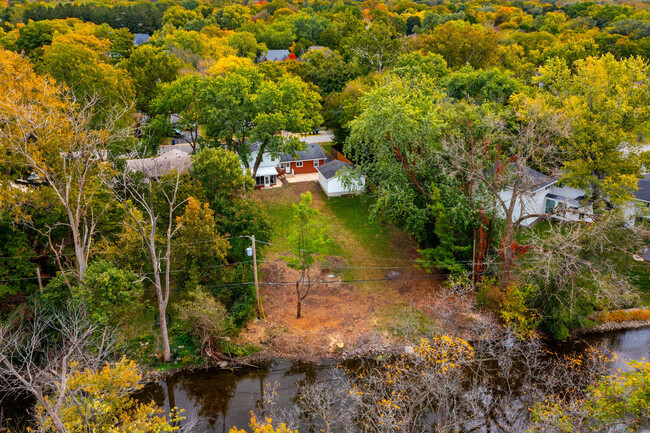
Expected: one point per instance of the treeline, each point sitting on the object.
(142, 17)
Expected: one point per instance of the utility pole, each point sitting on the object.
(40, 282)
(260, 310)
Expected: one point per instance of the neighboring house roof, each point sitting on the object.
(141, 38)
(537, 180)
(317, 47)
(274, 56)
(160, 165)
(329, 169)
(312, 151)
(643, 193)
(532, 179)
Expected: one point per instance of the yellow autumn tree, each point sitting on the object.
(101, 401)
(228, 63)
(265, 426)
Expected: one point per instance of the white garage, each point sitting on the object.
(330, 179)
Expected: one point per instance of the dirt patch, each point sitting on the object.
(335, 317)
(356, 297)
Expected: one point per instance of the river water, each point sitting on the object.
(221, 399)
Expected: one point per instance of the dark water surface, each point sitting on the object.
(221, 399)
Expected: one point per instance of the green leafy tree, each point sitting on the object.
(233, 16)
(415, 64)
(199, 248)
(461, 43)
(482, 86)
(326, 69)
(148, 67)
(244, 105)
(181, 98)
(246, 45)
(16, 270)
(308, 240)
(219, 171)
(81, 62)
(608, 101)
(394, 141)
(376, 48)
(110, 294)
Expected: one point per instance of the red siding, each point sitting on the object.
(307, 167)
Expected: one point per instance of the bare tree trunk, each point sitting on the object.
(164, 335)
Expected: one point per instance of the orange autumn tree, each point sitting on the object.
(45, 132)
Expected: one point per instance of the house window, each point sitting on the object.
(298, 163)
(550, 206)
(316, 163)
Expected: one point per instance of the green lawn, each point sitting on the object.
(353, 213)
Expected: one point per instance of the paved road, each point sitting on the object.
(321, 137)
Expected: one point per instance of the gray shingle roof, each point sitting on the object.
(274, 56)
(160, 165)
(140, 38)
(536, 180)
(312, 151)
(329, 169)
(643, 193)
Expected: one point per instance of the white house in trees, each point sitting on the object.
(330, 179)
(546, 194)
(268, 171)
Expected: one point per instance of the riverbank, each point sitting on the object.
(618, 320)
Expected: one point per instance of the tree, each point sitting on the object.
(616, 402)
(308, 240)
(497, 157)
(219, 171)
(44, 130)
(206, 316)
(80, 61)
(575, 269)
(233, 16)
(608, 101)
(395, 141)
(151, 208)
(181, 98)
(201, 249)
(246, 45)
(148, 66)
(376, 48)
(482, 86)
(101, 398)
(326, 69)
(42, 350)
(16, 270)
(109, 293)
(245, 106)
(461, 43)
(416, 63)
